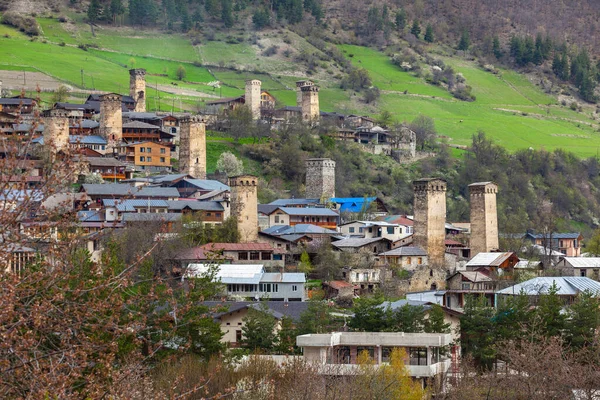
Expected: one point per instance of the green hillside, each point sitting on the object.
(508, 107)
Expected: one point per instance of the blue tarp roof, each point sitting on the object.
(353, 204)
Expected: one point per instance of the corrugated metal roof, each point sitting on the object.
(312, 211)
(475, 276)
(90, 216)
(207, 184)
(195, 205)
(237, 247)
(120, 189)
(548, 236)
(299, 229)
(287, 277)
(356, 242)
(583, 262)
(294, 202)
(151, 217)
(488, 259)
(139, 125)
(131, 205)
(405, 251)
(567, 286)
(92, 139)
(394, 305)
(229, 273)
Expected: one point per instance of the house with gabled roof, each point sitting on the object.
(466, 283)
(568, 288)
(568, 243)
(322, 217)
(580, 266)
(496, 262)
(99, 191)
(408, 258)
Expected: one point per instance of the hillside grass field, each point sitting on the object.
(508, 107)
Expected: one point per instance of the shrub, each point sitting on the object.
(62, 44)
(23, 23)
(270, 51)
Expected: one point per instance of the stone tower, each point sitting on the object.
(299, 86)
(192, 147)
(137, 88)
(252, 97)
(320, 178)
(111, 119)
(310, 103)
(484, 217)
(244, 206)
(56, 131)
(430, 218)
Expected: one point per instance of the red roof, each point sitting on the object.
(337, 285)
(450, 242)
(237, 247)
(401, 220)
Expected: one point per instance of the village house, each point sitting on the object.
(466, 283)
(251, 282)
(568, 244)
(95, 192)
(137, 131)
(17, 105)
(569, 287)
(200, 188)
(247, 253)
(291, 216)
(363, 280)
(337, 353)
(373, 246)
(497, 263)
(375, 229)
(231, 316)
(580, 266)
(147, 155)
(408, 258)
(111, 169)
(340, 289)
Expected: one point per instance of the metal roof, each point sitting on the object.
(207, 184)
(488, 259)
(229, 273)
(139, 125)
(237, 247)
(393, 305)
(279, 309)
(131, 205)
(299, 229)
(567, 286)
(121, 189)
(142, 115)
(474, 276)
(356, 242)
(583, 262)
(90, 216)
(194, 205)
(151, 217)
(312, 211)
(295, 202)
(287, 277)
(405, 251)
(566, 235)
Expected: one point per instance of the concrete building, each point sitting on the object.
(56, 131)
(111, 119)
(251, 282)
(244, 206)
(310, 103)
(192, 147)
(484, 217)
(252, 97)
(320, 178)
(137, 88)
(337, 353)
(430, 218)
(299, 86)
(319, 216)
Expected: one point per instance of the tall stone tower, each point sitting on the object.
(137, 88)
(320, 178)
(111, 119)
(56, 131)
(299, 86)
(310, 103)
(484, 217)
(192, 147)
(430, 218)
(244, 206)
(252, 97)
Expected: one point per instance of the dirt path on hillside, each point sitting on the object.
(183, 91)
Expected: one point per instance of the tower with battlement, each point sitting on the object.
(111, 119)
(310, 103)
(252, 97)
(484, 217)
(244, 206)
(299, 86)
(192, 147)
(320, 178)
(137, 88)
(56, 131)
(430, 218)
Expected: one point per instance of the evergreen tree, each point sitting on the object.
(286, 337)
(316, 318)
(407, 319)
(496, 48)
(295, 11)
(548, 316)
(477, 331)
(586, 87)
(259, 330)
(416, 28)
(94, 11)
(566, 70)
(429, 34)
(558, 66)
(436, 323)
(186, 22)
(226, 14)
(370, 316)
(538, 56)
(197, 18)
(260, 18)
(584, 320)
(400, 20)
(212, 7)
(512, 317)
(465, 41)
(116, 9)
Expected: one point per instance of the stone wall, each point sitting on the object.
(299, 86)
(244, 206)
(192, 147)
(56, 131)
(111, 119)
(310, 103)
(484, 217)
(137, 88)
(320, 178)
(252, 97)
(430, 218)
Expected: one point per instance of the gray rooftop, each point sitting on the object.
(356, 242)
(408, 251)
(121, 189)
(567, 286)
(151, 217)
(312, 211)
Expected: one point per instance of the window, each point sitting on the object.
(418, 356)
(162, 159)
(148, 150)
(351, 230)
(360, 230)
(265, 255)
(370, 230)
(366, 276)
(390, 230)
(103, 147)
(582, 272)
(243, 255)
(466, 286)
(162, 150)
(149, 159)
(294, 288)
(238, 336)
(420, 260)
(142, 158)
(208, 214)
(255, 255)
(277, 219)
(408, 260)
(142, 150)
